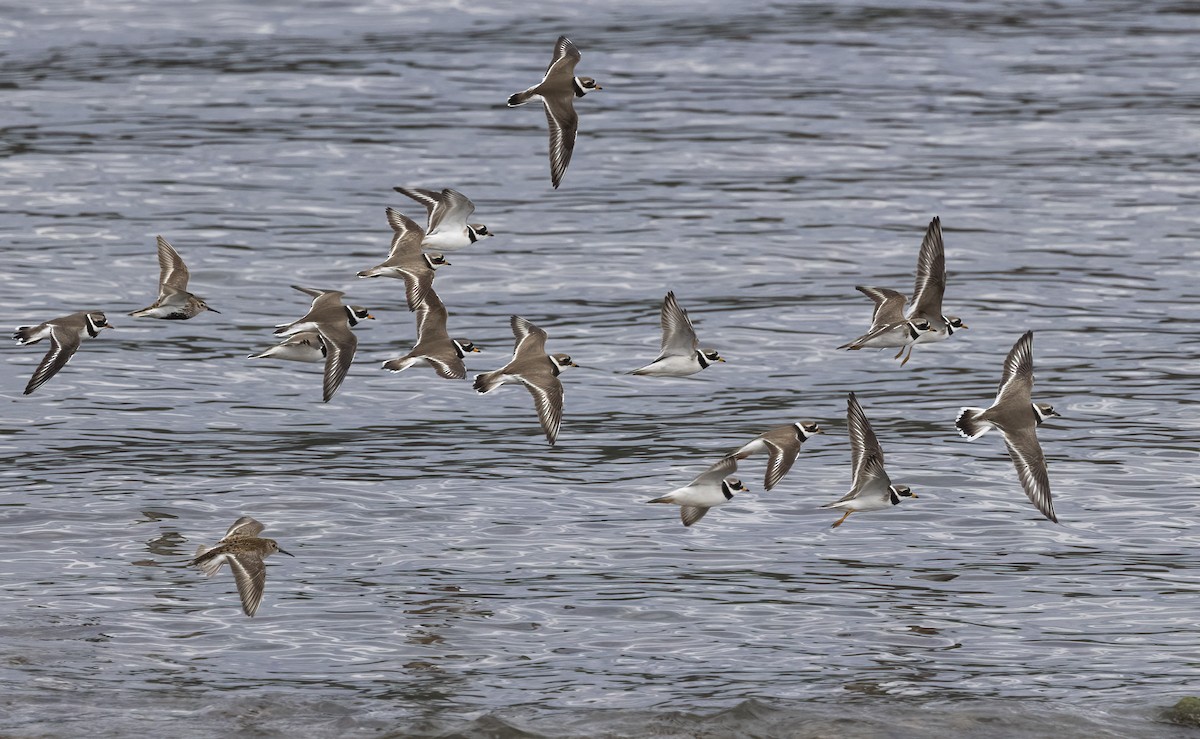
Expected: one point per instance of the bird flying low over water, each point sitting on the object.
(680, 354)
(711, 488)
(1017, 417)
(557, 91)
(332, 321)
(174, 301)
(65, 334)
(434, 344)
(925, 321)
(244, 552)
(406, 261)
(447, 228)
(538, 371)
(870, 488)
(782, 445)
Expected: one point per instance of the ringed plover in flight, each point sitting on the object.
(332, 321)
(680, 354)
(305, 346)
(65, 336)
(870, 488)
(447, 228)
(434, 344)
(925, 321)
(888, 329)
(711, 488)
(406, 260)
(557, 91)
(534, 369)
(1017, 418)
(242, 548)
(174, 301)
(782, 445)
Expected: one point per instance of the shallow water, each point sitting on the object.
(454, 574)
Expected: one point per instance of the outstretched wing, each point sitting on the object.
(876, 332)
(431, 319)
(678, 336)
(251, 576)
(780, 459)
(566, 56)
(406, 236)
(63, 344)
(716, 472)
(931, 274)
(690, 514)
(1027, 456)
(889, 304)
(244, 526)
(340, 343)
(1017, 381)
(531, 340)
(172, 272)
(547, 394)
(452, 211)
(866, 456)
(563, 123)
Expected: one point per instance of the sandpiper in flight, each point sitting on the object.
(174, 301)
(244, 551)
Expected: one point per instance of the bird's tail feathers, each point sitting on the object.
(401, 364)
(487, 382)
(210, 565)
(519, 98)
(970, 424)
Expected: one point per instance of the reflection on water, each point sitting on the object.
(456, 574)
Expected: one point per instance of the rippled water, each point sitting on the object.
(456, 575)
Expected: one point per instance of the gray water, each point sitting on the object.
(456, 575)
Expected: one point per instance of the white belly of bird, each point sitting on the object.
(893, 339)
(706, 497)
(446, 240)
(672, 366)
(293, 353)
(754, 447)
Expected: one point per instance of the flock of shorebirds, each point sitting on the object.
(324, 334)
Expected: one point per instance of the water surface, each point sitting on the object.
(454, 574)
